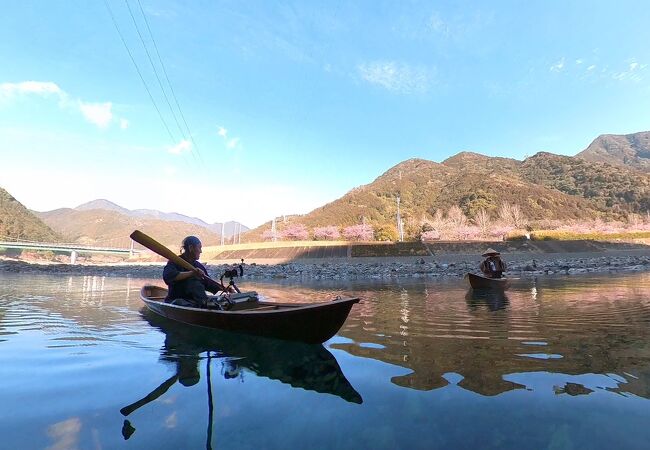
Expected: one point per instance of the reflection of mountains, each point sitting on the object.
(597, 325)
(310, 367)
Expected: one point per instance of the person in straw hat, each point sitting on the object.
(492, 266)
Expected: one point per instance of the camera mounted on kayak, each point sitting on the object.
(233, 273)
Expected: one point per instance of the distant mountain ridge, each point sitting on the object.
(629, 150)
(111, 228)
(230, 228)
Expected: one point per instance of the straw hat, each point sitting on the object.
(490, 252)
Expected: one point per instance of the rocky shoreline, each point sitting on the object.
(370, 268)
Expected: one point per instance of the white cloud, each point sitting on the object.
(579, 61)
(98, 113)
(30, 87)
(182, 146)
(558, 66)
(592, 67)
(396, 77)
(231, 143)
(635, 72)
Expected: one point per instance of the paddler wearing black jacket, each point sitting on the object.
(187, 287)
(493, 266)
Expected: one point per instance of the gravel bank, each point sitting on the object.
(371, 268)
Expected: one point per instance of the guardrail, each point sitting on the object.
(73, 249)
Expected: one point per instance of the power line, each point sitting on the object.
(171, 88)
(139, 73)
(153, 67)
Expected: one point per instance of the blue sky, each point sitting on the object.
(289, 105)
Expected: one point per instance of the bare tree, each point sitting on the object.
(482, 221)
(438, 223)
(518, 217)
(456, 217)
(505, 214)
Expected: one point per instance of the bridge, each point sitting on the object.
(73, 249)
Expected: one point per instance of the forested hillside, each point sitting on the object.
(631, 151)
(542, 188)
(17, 223)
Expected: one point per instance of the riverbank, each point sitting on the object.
(451, 265)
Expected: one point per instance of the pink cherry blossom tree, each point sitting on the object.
(363, 232)
(327, 233)
(295, 232)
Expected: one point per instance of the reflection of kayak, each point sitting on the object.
(306, 366)
(481, 282)
(307, 322)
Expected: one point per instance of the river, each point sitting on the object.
(556, 362)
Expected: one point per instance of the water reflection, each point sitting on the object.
(596, 325)
(494, 300)
(310, 367)
(306, 366)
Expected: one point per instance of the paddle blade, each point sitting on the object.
(158, 248)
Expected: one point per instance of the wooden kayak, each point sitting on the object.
(313, 323)
(481, 282)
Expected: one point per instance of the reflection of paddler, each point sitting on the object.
(188, 370)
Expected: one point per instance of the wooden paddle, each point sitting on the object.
(156, 247)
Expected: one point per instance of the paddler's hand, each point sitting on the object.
(198, 273)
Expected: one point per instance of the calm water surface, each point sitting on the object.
(554, 363)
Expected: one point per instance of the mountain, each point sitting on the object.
(17, 222)
(230, 228)
(111, 228)
(102, 204)
(629, 150)
(544, 186)
(613, 189)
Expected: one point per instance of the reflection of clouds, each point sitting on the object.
(171, 420)
(65, 434)
(562, 383)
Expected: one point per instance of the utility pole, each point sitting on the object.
(223, 226)
(400, 226)
(273, 230)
